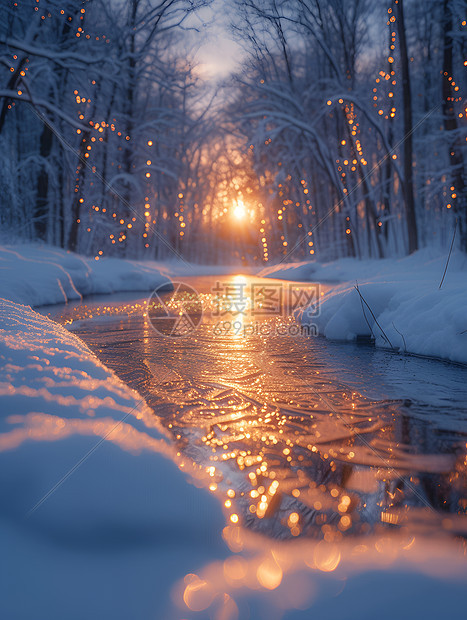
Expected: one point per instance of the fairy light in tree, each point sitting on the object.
(264, 241)
(450, 90)
(389, 75)
(179, 215)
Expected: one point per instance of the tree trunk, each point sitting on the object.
(76, 204)
(408, 128)
(41, 206)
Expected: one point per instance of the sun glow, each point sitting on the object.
(239, 211)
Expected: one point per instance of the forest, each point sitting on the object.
(342, 131)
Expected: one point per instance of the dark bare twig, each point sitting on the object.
(402, 336)
(366, 319)
(374, 318)
(449, 255)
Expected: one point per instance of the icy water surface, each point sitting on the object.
(298, 437)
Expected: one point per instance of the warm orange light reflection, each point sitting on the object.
(269, 573)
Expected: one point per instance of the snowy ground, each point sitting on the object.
(37, 275)
(124, 520)
(410, 312)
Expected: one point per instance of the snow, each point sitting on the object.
(125, 518)
(411, 313)
(37, 275)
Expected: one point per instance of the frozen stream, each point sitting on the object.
(298, 436)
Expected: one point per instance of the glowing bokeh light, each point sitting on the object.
(239, 211)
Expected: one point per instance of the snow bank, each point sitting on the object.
(91, 509)
(297, 272)
(37, 275)
(412, 314)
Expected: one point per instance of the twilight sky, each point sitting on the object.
(218, 53)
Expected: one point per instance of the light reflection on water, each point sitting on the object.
(291, 450)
